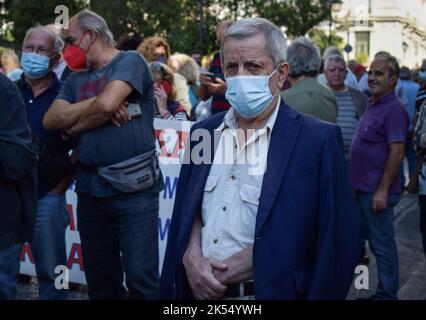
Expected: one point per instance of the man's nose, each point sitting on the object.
(242, 71)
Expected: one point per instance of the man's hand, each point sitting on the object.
(121, 116)
(199, 271)
(70, 133)
(218, 87)
(65, 136)
(239, 267)
(380, 200)
(205, 79)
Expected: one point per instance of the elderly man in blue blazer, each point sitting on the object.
(264, 207)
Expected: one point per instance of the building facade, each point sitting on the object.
(396, 26)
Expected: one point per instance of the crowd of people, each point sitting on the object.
(332, 137)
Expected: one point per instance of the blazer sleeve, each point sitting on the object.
(16, 156)
(168, 274)
(338, 239)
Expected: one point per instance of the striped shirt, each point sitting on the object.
(421, 97)
(347, 118)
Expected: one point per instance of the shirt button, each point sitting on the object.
(31, 101)
(224, 208)
(233, 177)
(215, 240)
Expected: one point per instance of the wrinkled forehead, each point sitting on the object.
(333, 64)
(380, 64)
(252, 47)
(40, 37)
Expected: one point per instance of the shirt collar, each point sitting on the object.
(54, 86)
(382, 99)
(229, 120)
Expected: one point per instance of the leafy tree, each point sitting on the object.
(188, 25)
(298, 16)
(322, 39)
(26, 14)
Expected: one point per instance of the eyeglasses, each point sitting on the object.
(43, 51)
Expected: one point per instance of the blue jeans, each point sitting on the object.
(127, 223)
(422, 203)
(9, 271)
(381, 236)
(48, 245)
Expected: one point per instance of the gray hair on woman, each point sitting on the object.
(303, 58)
(248, 27)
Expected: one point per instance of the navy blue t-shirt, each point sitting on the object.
(36, 109)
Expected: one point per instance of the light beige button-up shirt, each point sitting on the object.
(232, 190)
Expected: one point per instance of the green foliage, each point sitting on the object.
(322, 39)
(298, 16)
(362, 58)
(25, 14)
(177, 20)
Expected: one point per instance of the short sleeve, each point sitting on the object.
(67, 91)
(133, 69)
(396, 124)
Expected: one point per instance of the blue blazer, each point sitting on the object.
(307, 227)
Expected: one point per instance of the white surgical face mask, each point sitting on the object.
(249, 95)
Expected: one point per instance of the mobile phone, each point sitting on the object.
(134, 109)
(211, 76)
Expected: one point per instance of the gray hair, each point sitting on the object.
(187, 67)
(392, 62)
(335, 58)
(248, 27)
(58, 43)
(304, 58)
(331, 51)
(89, 20)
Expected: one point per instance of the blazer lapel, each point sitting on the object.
(195, 189)
(283, 139)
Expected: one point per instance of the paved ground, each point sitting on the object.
(412, 260)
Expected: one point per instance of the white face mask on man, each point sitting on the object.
(249, 95)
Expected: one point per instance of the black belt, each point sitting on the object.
(241, 289)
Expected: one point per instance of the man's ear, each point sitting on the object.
(93, 36)
(283, 70)
(54, 61)
(394, 80)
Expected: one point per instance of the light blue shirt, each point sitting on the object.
(410, 90)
